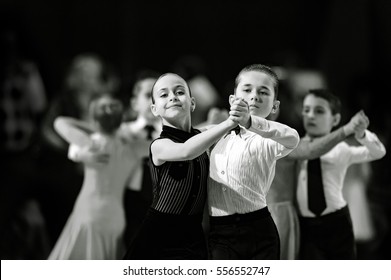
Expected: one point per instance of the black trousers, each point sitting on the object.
(168, 237)
(136, 207)
(251, 236)
(329, 237)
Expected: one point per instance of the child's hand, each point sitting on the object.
(357, 121)
(239, 112)
(361, 125)
(350, 126)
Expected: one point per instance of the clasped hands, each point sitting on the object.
(240, 112)
(357, 125)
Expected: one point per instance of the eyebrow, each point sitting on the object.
(175, 87)
(263, 87)
(179, 86)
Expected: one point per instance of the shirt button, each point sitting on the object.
(222, 172)
(224, 189)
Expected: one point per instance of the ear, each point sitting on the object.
(193, 104)
(153, 110)
(337, 119)
(231, 99)
(276, 105)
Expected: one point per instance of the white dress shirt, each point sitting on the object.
(242, 166)
(334, 165)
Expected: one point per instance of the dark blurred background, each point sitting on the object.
(346, 43)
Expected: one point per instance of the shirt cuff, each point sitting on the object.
(369, 137)
(258, 123)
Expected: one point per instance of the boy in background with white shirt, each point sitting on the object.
(329, 234)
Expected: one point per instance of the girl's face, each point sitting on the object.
(257, 89)
(172, 99)
(108, 112)
(318, 119)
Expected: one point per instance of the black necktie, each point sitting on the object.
(236, 129)
(316, 198)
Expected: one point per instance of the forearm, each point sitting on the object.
(166, 150)
(310, 149)
(281, 133)
(72, 130)
(82, 125)
(196, 145)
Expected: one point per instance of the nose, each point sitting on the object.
(254, 96)
(173, 96)
(310, 114)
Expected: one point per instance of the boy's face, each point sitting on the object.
(257, 89)
(318, 119)
(142, 99)
(172, 98)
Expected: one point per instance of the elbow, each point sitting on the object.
(381, 153)
(295, 140)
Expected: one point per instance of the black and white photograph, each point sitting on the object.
(190, 130)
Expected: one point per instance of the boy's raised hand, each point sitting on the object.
(357, 121)
(349, 128)
(361, 125)
(239, 112)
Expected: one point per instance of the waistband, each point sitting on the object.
(239, 218)
(168, 218)
(341, 212)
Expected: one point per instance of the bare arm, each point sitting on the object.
(166, 150)
(314, 148)
(73, 131)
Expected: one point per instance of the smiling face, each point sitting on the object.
(172, 100)
(257, 89)
(318, 118)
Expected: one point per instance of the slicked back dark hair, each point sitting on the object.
(163, 75)
(334, 101)
(263, 69)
